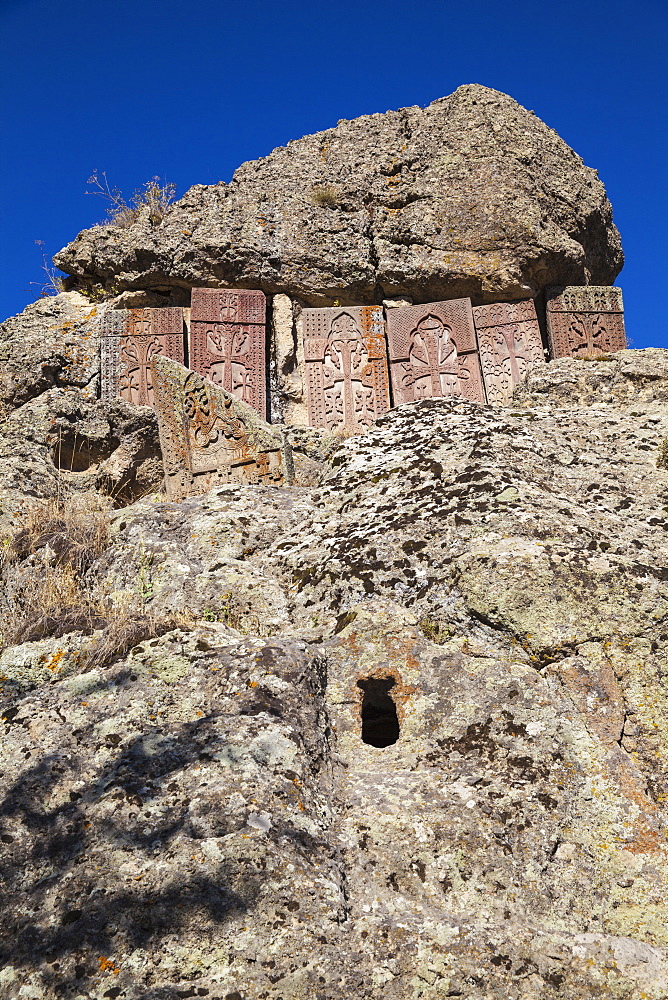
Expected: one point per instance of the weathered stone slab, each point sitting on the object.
(585, 319)
(228, 342)
(209, 437)
(130, 339)
(510, 344)
(346, 366)
(433, 352)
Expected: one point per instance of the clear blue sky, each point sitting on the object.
(189, 90)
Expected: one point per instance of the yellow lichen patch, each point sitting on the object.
(55, 661)
(106, 965)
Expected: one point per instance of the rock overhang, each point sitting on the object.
(432, 202)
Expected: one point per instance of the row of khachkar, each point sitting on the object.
(358, 362)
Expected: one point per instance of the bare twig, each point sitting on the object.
(156, 195)
(52, 284)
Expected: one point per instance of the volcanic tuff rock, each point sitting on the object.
(472, 195)
(200, 816)
(56, 436)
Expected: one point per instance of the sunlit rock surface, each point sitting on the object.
(471, 196)
(408, 741)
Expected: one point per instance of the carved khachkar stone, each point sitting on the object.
(130, 339)
(228, 342)
(346, 366)
(509, 343)
(585, 319)
(433, 352)
(208, 436)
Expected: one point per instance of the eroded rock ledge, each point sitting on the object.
(470, 196)
(201, 815)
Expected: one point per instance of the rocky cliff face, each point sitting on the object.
(470, 196)
(399, 732)
(57, 437)
(406, 739)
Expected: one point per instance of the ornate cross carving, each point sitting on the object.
(510, 344)
(130, 339)
(346, 360)
(208, 436)
(433, 352)
(587, 319)
(227, 342)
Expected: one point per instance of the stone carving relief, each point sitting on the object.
(433, 352)
(208, 436)
(587, 319)
(510, 344)
(228, 342)
(345, 355)
(130, 340)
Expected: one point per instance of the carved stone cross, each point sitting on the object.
(346, 364)
(227, 342)
(208, 436)
(433, 352)
(585, 319)
(510, 344)
(130, 340)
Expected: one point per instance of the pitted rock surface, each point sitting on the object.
(622, 379)
(56, 436)
(538, 519)
(204, 818)
(470, 196)
(205, 554)
(53, 342)
(65, 442)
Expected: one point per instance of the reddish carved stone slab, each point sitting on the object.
(587, 319)
(228, 342)
(130, 339)
(209, 436)
(433, 352)
(346, 366)
(510, 344)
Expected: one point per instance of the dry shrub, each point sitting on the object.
(155, 195)
(43, 563)
(125, 630)
(46, 592)
(52, 282)
(73, 529)
(325, 196)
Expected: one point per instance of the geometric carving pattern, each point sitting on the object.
(510, 344)
(585, 319)
(130, 339)
(433, 352)
(209, 437)
(228, 342)
(345, 354)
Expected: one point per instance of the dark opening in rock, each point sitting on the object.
(77, 453)
(380, 725)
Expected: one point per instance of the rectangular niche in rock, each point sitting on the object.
(433, 352)
(585, 319)
(228, 342)
(209, 437)
(509, 343)
(130, 340)
(345, 354)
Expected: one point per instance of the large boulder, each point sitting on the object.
(57, 438)
(472, 195)
(224, 809)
